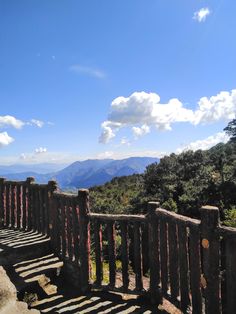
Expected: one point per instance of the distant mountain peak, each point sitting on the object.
(87, 173)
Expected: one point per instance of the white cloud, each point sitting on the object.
(36, 122)
(219, 107)
(10, 121)
(94, 72)
(201, 15)
(5, 139)
(6, 121)
(138, 132)
(125, 141)
(142, 110)
(206, 143)
(127, 154)
(108, 132)
(40, 150)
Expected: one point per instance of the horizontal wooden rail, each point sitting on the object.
(110, 217)
(163, 213)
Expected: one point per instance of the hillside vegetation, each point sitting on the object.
(182, 183)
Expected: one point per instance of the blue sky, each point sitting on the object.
(92, 79)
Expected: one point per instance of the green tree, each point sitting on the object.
(230, 129)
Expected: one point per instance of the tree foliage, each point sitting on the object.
(230, 129)
(182, 183)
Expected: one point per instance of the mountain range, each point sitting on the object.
(80, 174)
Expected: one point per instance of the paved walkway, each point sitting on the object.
(35, 271)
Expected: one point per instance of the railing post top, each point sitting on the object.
(52, 185)
(83, 198)
(30, 180)
(209, 208)
(209, 216)
(152, 206)
(83, 192)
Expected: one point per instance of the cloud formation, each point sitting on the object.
(142, 110)
(10, 121)
(138, 132)
(5, 139)
(201, 15)
(35, 156)
(94, 72)
(36, 122)
(40, 150)
(206, 143)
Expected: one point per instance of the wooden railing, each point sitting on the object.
(162, 254)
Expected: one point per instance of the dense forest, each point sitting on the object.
(181, 183)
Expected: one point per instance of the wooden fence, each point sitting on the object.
(161, 254)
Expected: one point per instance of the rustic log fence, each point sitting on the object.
(191, 262)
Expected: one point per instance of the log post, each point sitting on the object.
(210, 258)
(2, 201)
(50, 211)
(154, 264)
(230, 274)
(30, 203)
(84, 235)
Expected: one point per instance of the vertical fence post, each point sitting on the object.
(230, 274)
(50, 211)
(84, 235)
(154, 264)
(30, 203)
(210, 258)
(2, 201)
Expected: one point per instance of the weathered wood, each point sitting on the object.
(60, 195)
(8, 204)
(224, 231)
(41, 210)
(111, 253)
(138, 267)
(51, 210)
(124, 254)
(231, 274)
(13, 205)
(29, 182)
(38, 209)
(75, 223)
(63, 228)
(210, 257)
(19, 206)
(57, 225)
(83, 201)
(110, 217)
(173, 260)
(223, 281)
(154, 264)
(69, 228)
(2, 202)
(195, 271)
(183, 267)
(98, 252)
(163, 256)
(24, 207)
(45, 206)
(163, 213)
